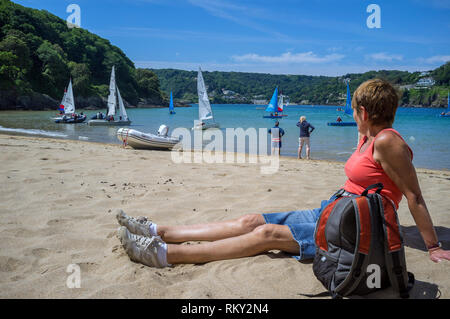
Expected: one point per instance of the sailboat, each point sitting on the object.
(275, 106)
(447, 112)
(204, 107)
(171, 108)
(114, 101)
(347, 111)
(68, 107)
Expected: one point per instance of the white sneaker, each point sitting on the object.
(141, 249)
(138, 226)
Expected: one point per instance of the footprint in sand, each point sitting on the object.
(56, 221)
(88, 266)
(30, 180)
(22, 232)
(9, 264)
(64, 171)
(40, 252)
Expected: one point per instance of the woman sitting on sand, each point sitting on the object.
(382, 156)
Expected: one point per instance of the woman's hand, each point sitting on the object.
(439, 254)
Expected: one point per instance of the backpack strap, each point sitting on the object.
(401, 280)
(378, 186)
(364, 217)
(364, 238)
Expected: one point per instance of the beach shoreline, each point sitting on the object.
(118, 144)
(57, 205)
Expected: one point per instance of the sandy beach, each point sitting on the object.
(57, 207)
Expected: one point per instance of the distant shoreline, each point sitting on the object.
(25, 109)
(20, 108)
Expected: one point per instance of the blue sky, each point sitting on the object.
(312, 37)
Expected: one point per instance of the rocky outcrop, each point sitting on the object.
(91, 103)
(9, 100)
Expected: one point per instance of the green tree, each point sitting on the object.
(81, 78)
(147, 81)
(55, 71)
(442, 74)
(9, 72)
(15, 61)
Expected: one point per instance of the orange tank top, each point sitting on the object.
(362, 171)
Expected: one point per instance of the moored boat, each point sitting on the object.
(171, 107)
(204, 107)
(341, 124)
(275, 106)
(114, 101)
(141, 140)
(67, 109)
(347, 111)
(73, 119)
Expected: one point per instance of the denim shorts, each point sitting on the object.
(302, 224)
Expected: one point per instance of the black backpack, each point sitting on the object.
(360, 247)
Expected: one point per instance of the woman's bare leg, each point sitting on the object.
(262, 239)
(211, 231)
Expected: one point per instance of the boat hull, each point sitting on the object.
(274, 117)
(71, 120)
(108, 123)
(341, 124)
(140, 140)
(444, 115)
(206, 126)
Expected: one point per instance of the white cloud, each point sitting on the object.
(309, 69)
(288, 57)
(438, 59)
(382, 56)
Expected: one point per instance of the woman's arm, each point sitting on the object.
(392, 153)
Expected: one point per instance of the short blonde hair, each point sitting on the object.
(380, 100)
(302, 118)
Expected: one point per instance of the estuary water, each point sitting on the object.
(426, 133)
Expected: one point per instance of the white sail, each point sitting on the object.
(123, 113)
(280, 103)
(69, 102)
(63, 101)
(204, 107)
(112, 100)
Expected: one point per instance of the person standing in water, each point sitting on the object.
(276, 134)
(305, 131)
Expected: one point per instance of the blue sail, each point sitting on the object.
(273, 107)
(348, 105)
(171, 103)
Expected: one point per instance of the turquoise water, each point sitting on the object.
(426, 134)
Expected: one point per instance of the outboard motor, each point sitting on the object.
(163, 130)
